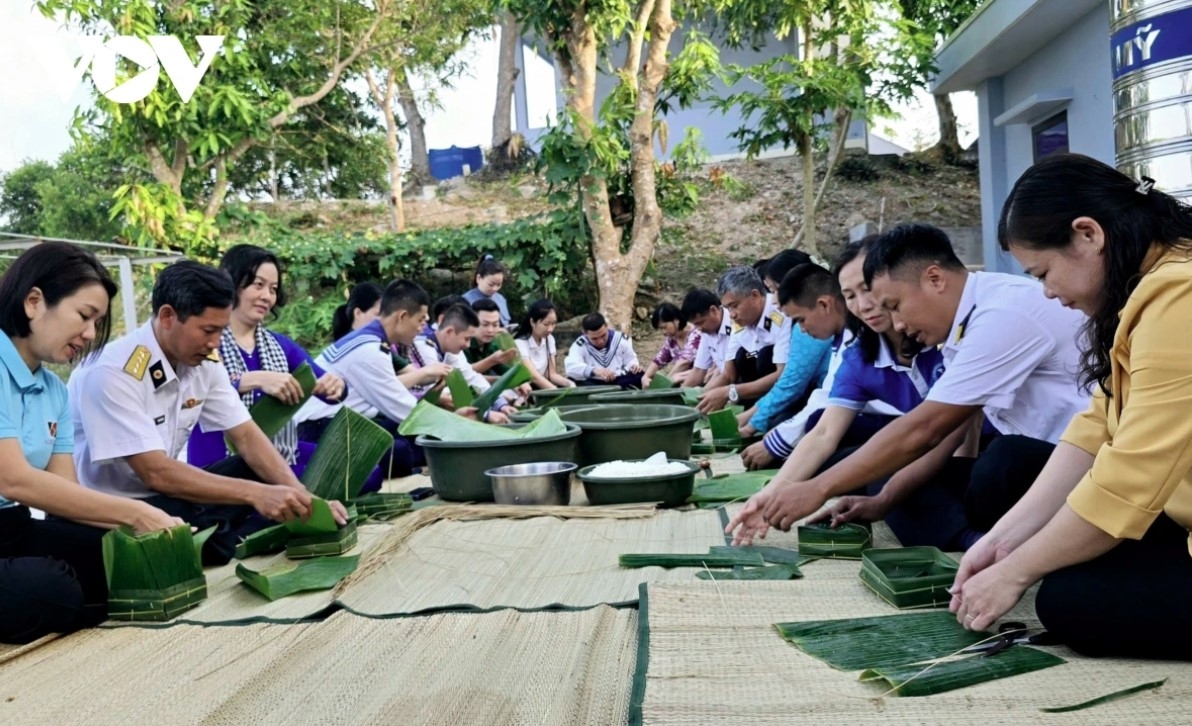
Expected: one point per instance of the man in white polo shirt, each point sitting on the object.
(703, 311)
(135, 405)
(1009, 352)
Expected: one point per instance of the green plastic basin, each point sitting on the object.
(526, 415)
(670, 489)
(633, 431)
(578, 396)
(457, 468)
(664, 396)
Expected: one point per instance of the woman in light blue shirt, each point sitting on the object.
(53, 309)
(489, 277)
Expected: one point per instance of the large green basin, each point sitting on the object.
(663, 396)
(457, 467)
(580, 395)
(526, 415)
(633, 431)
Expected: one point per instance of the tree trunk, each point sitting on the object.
(843, 118)
(384, 101)
(506, 78)
(647, 216)
(807, 156)
(949, 143)
(415, 126)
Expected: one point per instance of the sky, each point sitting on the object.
(36, 111)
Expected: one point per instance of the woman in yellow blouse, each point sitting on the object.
(1105, 525)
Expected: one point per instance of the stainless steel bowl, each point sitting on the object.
(547, 482)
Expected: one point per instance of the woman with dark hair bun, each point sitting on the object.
(259, 361)
(679, 347)
(488, 279)
(1105, 525)
(362, 307)
(53, 309)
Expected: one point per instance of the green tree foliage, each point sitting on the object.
(601, 159)
(20, 202)
(278, 58)
(850, 64)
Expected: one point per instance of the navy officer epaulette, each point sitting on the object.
(213, 356)
(138, 362)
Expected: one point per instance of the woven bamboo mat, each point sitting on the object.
(714, 658)
(230, 601)
(494, 668)
(542, 562)
(9, 651)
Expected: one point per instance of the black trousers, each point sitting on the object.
(625, 381)
(51, 576)
(232, 522)
(1134, 601)
(967, 494)
(752, 366)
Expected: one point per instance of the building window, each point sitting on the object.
(1051, 136)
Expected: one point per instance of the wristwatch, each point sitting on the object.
(733, 396)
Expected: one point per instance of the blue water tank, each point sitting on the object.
(449, 163)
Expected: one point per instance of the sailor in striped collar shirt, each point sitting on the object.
(602, 356)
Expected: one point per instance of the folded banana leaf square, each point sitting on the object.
(909, 577)
(845, 542)
(330, 544)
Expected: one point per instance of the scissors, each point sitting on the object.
(1011, 634)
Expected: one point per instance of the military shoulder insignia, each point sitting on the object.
(777, 317)
(158, 373)
(213, 356)
(137, 362)
(767, 324)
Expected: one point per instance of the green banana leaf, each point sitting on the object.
(347, 453)
(512, 378)
(264, 541)
(691, 395)
(771, 555)
(909, 577)
(447, 426)
(461, 392)
(769, 572)
(1107, 698)
(504, 341)
(271, 415)
(926, 680)
(730, 487)
(885, 641)
(724, 426)
(727, 559)
(321, 520)
(322, 573)
(661, 380)
(845, 542)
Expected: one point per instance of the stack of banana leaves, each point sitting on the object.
(154, 576)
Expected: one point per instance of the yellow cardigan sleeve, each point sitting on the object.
(1150, 453)
(1088, 430)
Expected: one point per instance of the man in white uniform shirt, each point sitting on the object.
(702, 308)
(135, 405)
(1009, 352)
(758, 348)
(602, 356)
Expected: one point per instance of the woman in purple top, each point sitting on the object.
(679, 347)
(259, 361)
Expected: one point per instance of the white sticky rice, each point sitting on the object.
(637, 469)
